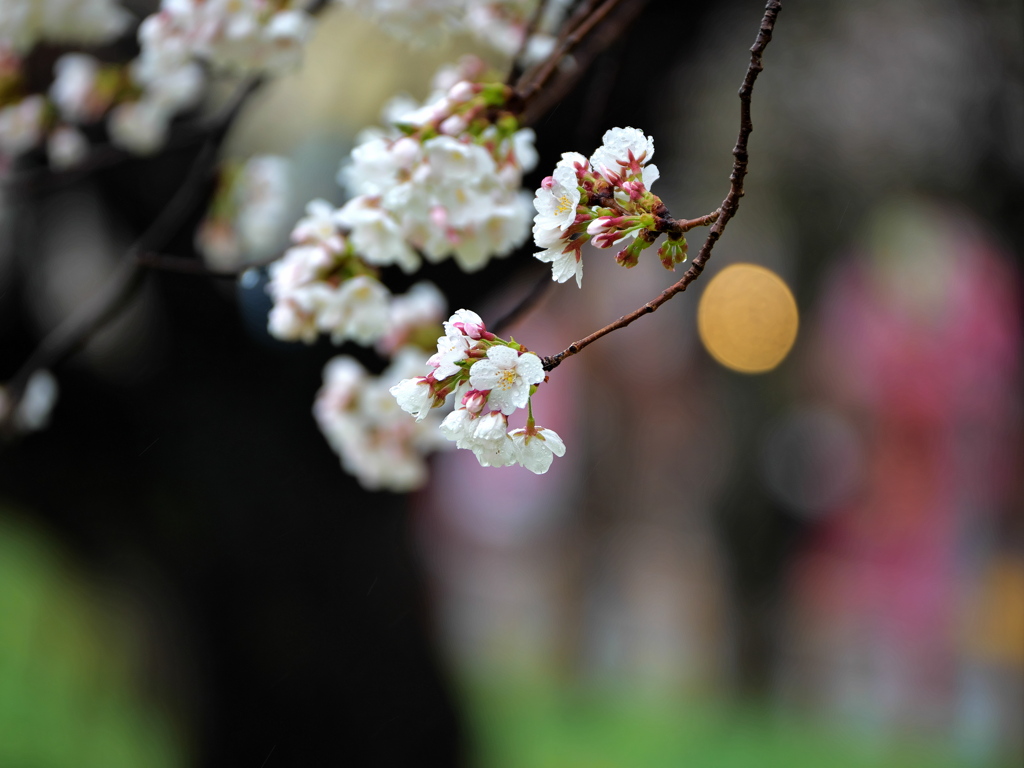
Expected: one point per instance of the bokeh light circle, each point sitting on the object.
(747, 318)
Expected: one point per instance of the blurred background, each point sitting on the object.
(788, 529)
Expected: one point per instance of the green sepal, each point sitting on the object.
(494, 94)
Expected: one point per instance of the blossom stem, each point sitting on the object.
(723, 215)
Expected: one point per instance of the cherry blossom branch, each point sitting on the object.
(721, 217)
(665, 223)
(574, 32)
(516, 70)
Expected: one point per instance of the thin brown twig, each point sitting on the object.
(727, 210)
(584, 9)
(516, 70)
(680, 226)
(524, 305)
(598, 39)
(185, 265)
(103, 305)
(534, 80)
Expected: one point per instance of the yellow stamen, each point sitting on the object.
(507, 379)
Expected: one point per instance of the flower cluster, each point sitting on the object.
(443, 180)
(501, 24)
(23, 23)
(27, 119)
(376, 441)
(178, 44)
(605, 200)
(320, 285)
(241, 36)
(246, 218)
(483, 372)
(83, 91)
(229, 35)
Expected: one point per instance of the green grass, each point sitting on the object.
(67, 693)
(541, 725)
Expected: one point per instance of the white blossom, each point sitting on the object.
(73, 90)
(82, 22)
(375, 440)
(501, 24)
(309, 299)
(376, 235)
(459, 426)
(318, 227)
(246, 220)
(536, 451)
(508, 375)
(343, 378)
(465, 322)
(445, 196)
(173, 89)
(300, 265)
(359, 311)
(138, 126)
(32, 412)
(21, 125)
(452, 349)
(232, 35)
(620, 148)
(491, 443)
(421, 308)
(557, 200)
(414, 396)
(566, 263)
(285, 36)
(290, 321)
(66, 147)
(262, 194)
(485, 435)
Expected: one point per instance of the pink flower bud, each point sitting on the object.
(602, 224)
(462, 91)
(453, 125)
(472, 330)
(469, 324)
(613, 178)
(406, 150)
(439, 216)
(634, 189)
(475, 400)
(608, 239)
